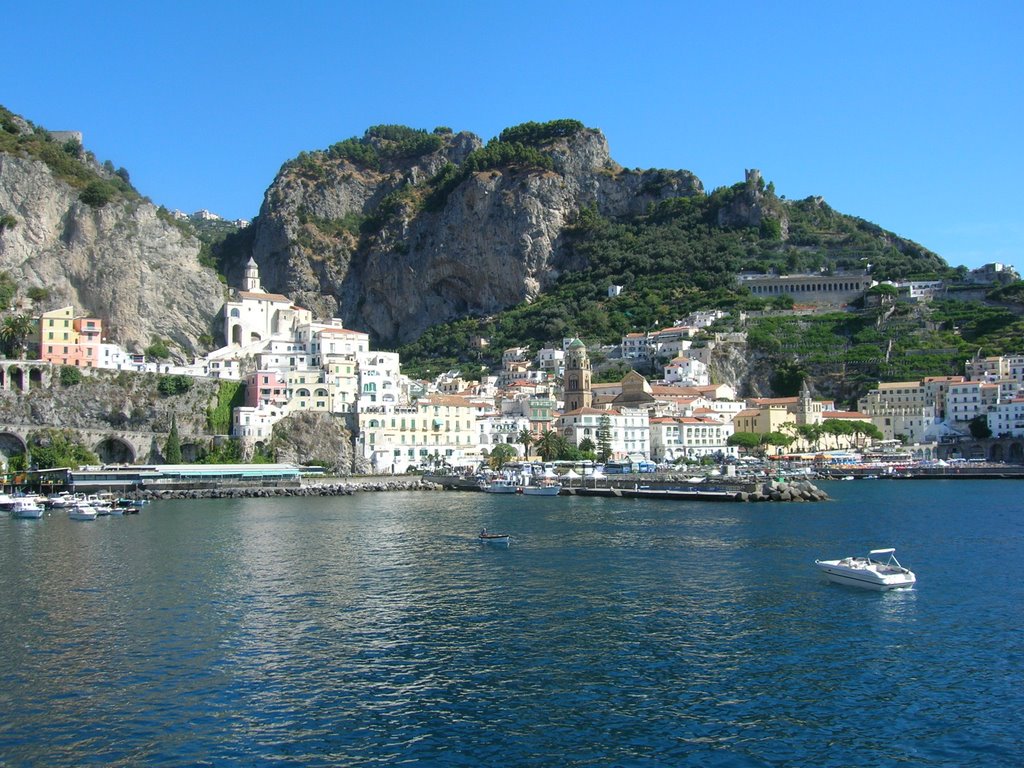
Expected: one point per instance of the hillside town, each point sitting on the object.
(291, 363)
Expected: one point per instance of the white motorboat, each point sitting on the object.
(500, 485)
(62, 500)
(81, 511)
(102, 503)
(871, 572)
(26, 507)
(544, 489)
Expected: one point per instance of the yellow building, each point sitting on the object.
(396, 437)
(68, 340)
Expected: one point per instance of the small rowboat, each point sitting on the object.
(495, 539)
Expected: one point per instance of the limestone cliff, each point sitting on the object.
(398, 244)
(314, 438)
(119, 261)
(105, 400)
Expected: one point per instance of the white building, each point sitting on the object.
(687, 372)
(257, 315)
(256, 423)
(502, 429)
(636, 346)
(966, 400)
(629, 429)
(1007, 418)
(550, 360)
(690, 438)
(380, 380)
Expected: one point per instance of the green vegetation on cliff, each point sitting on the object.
(676, 259)
(68, 161)
(230, 395)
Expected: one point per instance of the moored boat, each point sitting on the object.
(26, 508)
(81, 511)
(544, 489)
(869, 572)
(500, 485)
(61, 500)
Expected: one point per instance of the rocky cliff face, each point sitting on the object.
(104, 400)
(392, 251)
(120, 262)
(314, 438)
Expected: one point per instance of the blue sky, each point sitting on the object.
(906, 114)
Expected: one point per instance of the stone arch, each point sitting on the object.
(11, 444)
(995, 452)
(35, 378)
(192, 452)
(1016, 453)
(236, 335)
(17, 377)
(115, 450)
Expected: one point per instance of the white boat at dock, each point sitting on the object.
(542, 489)
(81, 511)
(27, 507)
(869, 572)
(500, 485)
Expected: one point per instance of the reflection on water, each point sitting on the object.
(375, 629)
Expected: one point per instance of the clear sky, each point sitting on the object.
(908, 114)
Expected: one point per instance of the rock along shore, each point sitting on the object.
(340, 488)
(799, 491)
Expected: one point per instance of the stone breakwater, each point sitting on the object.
(319, 489)
(786, 491)
(800, 491)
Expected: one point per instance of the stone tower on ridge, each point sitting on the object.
(577, 376)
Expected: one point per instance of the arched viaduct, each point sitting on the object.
(112, 446)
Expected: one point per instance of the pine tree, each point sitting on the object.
(172, 449)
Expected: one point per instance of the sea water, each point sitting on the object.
(376, 630)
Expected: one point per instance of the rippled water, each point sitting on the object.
(375, 630)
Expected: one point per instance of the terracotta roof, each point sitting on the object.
(591, 412)
(852, 415)
(275, 297)
(343, 331)
(454, 401)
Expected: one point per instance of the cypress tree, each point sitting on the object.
(172, 449)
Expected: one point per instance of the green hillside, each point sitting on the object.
(678, 258)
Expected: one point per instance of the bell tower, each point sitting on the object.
(251, 284)
(577, 377)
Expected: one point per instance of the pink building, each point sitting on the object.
(265, 388)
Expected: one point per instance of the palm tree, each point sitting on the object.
(549, 445)
(526, 439)
(13, 332)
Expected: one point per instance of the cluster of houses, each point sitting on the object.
(291, 363)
